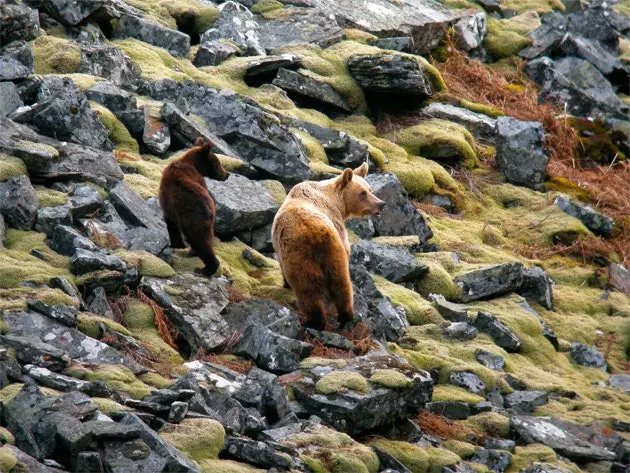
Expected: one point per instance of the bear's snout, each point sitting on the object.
(377, 208)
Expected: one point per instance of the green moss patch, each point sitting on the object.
(55, 55)
(419, 311)
(146, 263)
(8, 460)
(11, 167)
(118, 133)
(15, 298)
(416, 459)
(6, 436)
(341, 381)
(17, 267)
(309, 363)
(117, 378)
(448, 393)
(265, 6)
(227, 466)
(198, 439)
(49, 197)
(89, 324)
(390, 378)
(507, 37)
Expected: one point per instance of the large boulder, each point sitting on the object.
(480, 125)
(72, 13)
(537, 287)
(311, 91)
(587, 356)
(266, 313)
(619, 277)
(18, 203)
(396, 264)
(9, 98)
(17, 22)
(109, 62)
(236, 23)
(12, 69)
(593, 220)
(175, 42)
(488, 282)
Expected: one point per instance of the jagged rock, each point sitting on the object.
(496, 460)
(450, 310)
(587, 356)
(64, 285)
(270, 350)
(50, 160)
(524, 402)
(356, 412)
(61, 313)
(3, 230)
(619, 278)
(467, 380)
(236, 23)
(89, 461)
(12, 69)
(259, 454)
(331, 339)
(49, 217)
(98, 304)
(17, 22)
(72, 13)
(267, 68)
(9, 98)
(30, 351)
(500, 444)
(156, 135)
(175, 42)
(541, 468)
(490, 282)
(241, 204)
(450, 409)
(520, 154)
(18, 203)
(266, 313)
(373, 308)
(310, 91)
(620, 381)
(396, 264)
(112, 97)
(390, 74)
(193, 305)
(480, 125)
(249, 130)
(20, 51)
(471, 31)
(214, 52)
(362, 227)
(593, 220)
(537, 286)
(259, 238)
(84, 200)
(29, 463)
(460, 331)
(47, 378)
(133, 209)
(542, 430)
(399, 216)
(85, 261)
(301, 25)
(490, 360)
(502, 335)
(66, 240)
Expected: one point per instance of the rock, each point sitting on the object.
(17, 22)
(193, 305)
(213, 53)
(266, 313)
(524, 402)
(619, 278)
(85, 261)
(29, 463)
(241, 204)
(470, 31)
(450, 409)
(175, 42)
(390, 74)
(480, 125)
(49, 217)
(38, 328)
(265, 69)
(460, 331)
(98, 304)
(259, 239)
(65, 285)
(300, 25)
(66, 240)
(156, 135)
(593, 220)
(18, 203)
(502, 335)
(12, 69)
(547, 331)
(20, 51)
(331, 339)
(59, 312)
(587, 356)
(9, 98)
(468, 381)
(89, 461)
(310, 91)
(112, 97)
(450, 310)
(399, 216)
(133, 209)
(3, 230)
(541, 468)
(250, 131)
(490, 282)
(362, 227)
(30, 351)
(84, 200)
(109, 62)
(374, 309)
(542, 430)
(520, 154)
(620, 381)
(496, 460)
(236, 23)
(396, 264)
(490, 360)
(356, 412)
(72, 13)
(259, 454)
(271, 351)
(47, 378)
(500, 444)
(537, 287)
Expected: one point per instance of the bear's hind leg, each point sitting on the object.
(200, 238)
(307, 282)
(340, 286)
(174, 234)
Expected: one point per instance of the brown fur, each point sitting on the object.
(312, 246)
(186, 202)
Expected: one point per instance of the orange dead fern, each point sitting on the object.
(164, 326)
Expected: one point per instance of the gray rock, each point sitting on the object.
(85, 261)
(619, 278)
(542, 430)
(393, 263)
(241, 204)
(400, 43)
(3, 238)
(30, 351)
(502, 335)
(593, 220)
(547, 331)
(17, 22)
(331, 339)
(175, 42)
(399, 216)
(61, 313)
(259, 454)
(98, 304)
(520, 154)
(524, 402)
(537, 287)
(9, 98)
(49, 217)
(471, 31)
(178, 412)
(541, 468)
(21, 51)
(450, 310)
(72, 13)
(156, 135)
(460, 331)
(496, 460)
(66, 240)
(300, 25)
(490, 360)
(112, 97)
(89, 461)
(236, 23)
(112, 281)
(620, 381)
(468, 381)
(84, 200)
(109, 62)
(267, 313)
(390, 74)
(259, 239)
(12, 69)
(489, 282)
(133, 209)
(18, 203)
(362, 227)
(214, 52)
(480, 125)
(28, 462)
(453, 410)
(52, 380)
(266, 68)
(65, 285)
(500, 444)
(587, 356)
(310, 91)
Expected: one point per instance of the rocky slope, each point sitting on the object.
(479, 344)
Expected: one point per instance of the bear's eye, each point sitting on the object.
(363, 194)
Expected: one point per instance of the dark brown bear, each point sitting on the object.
(186, 202)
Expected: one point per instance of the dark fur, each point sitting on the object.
(187, 205)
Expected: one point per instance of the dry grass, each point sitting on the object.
(240, 366)
(164, 326)
(440, 426)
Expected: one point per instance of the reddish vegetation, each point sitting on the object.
(440, 426)
(164, 326)
(240, 366)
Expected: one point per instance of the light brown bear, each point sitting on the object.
(312, 246)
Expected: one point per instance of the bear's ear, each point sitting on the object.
(345, 178)
(199, 142)
(362, 170)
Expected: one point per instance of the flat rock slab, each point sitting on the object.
(307, 88)
(500, 333)
(393, 263)
(175, 42)
(524, 402)
(193, 304)
(390, 74)
(9, 98)
(490, 282)
(267, 313)
(480, 125)
(592, 219)
(236, 24)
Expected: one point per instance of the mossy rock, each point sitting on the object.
(198, 439)
(524, 457)
(184, 12)
(265, 6)
(117, 378)
(341, 381)
(8, 460)
(55, 55)
(309, 363)
(89, 324)
(27, 241)
(15, 298)
(10, 391)
(146, 263)
(50, 197)
(491, 423)
(17, 267)
(390, 378)
(508, 36)
(416, 459)
(449, 393)
(156, 380)
(437, 281)
(6, 437)
(107, 406)
(461, 449)
(227, 466)
(118, 133)
(359, 36)
(11, 167)
(419, 311)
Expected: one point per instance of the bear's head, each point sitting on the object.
(357, 195)
(206, 162)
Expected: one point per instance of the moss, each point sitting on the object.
(359, 36)
(156, 380)
(25, 242)
(437, 281)
(567, 186)
(15, 298)
(202, 15)
(522, 6)
(49, 197)
(418, 310)
(55, 55)
(413, 457)
(440, 458)
(276, 190)
(118, 133)
(491, 423)
(461, 449)
(118, 378)
(439, 139)
(227, 466)
(309, 363)
(8, 460)
(83, 81)
(10, 391)
(507, 37)
(264, 6)
(146, 263)
(107, 406)
(17, 267)
(198, 439)
(11, 167)
(340, 382)
(443, 392)
(390, 378)
(89, 324)
(6, 436)
(347, 464)
(524, 457)
(315, 465)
